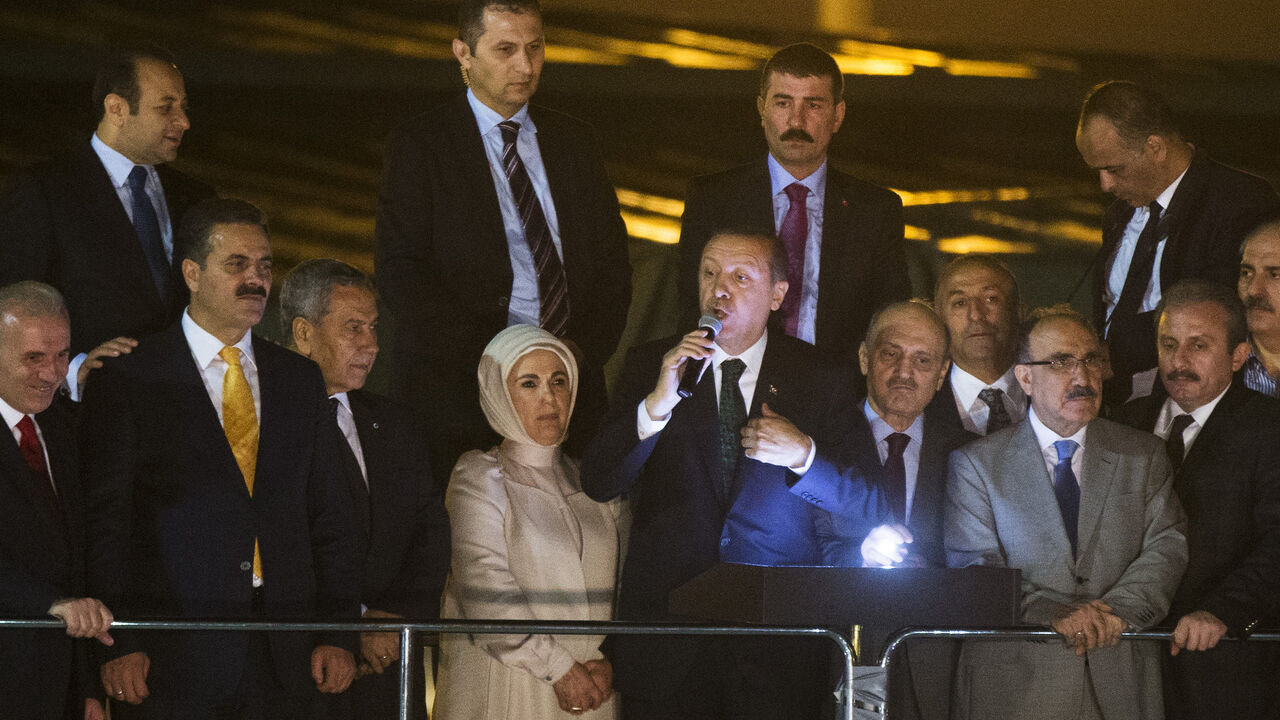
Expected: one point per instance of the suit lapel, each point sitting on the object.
(468, 169)
(1099, 467)
(367, 495)
(1031, 482)
(1183, 208)
(1113, 224)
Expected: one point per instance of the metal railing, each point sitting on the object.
(408, 629)
(1017, 633)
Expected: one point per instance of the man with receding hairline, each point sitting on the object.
(1177, 214)
(494, 211)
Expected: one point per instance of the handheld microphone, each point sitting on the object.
(692, 367)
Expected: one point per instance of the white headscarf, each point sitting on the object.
(503, 352)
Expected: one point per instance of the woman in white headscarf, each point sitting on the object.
(528, 544)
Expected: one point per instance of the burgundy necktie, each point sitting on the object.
(553, 288)
(794, 233)
(33, 453)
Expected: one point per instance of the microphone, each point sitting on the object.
(692, 367)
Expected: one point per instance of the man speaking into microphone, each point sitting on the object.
(699, 500)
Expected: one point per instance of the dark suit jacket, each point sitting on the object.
(863, 263)
(41, 560)
(63, 224)
(171, 524)
(683, 522)
(400, 517)
(445, 274)
(1211, 212)
(831, 485)
(1229, 485)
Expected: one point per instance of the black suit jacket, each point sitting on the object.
(171, 524)
(400, 516)
(62, 223)
(683, 521)
(863, 263)
(827, 484)
(41, 561)
(1229, 485)
(1212, 210)
(445, 274)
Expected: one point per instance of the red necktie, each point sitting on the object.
(794, 234)
(33, 453)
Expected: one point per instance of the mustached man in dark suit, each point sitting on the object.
(98, 223)
(843, 236)
(215, 489)
(495, 212)
(332, 313)
(46, 674)
(1221, 439)
(1177, 214)
(698, 500)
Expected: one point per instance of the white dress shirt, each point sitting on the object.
(347, 424)
(1124, 255)
(973, 411)
(12, 418)
(1199, 416)
(525, 306)
(1046, 438)
(881, 430)
(204, 350)
(780, 179)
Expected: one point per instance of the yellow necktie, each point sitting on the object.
(240, 423)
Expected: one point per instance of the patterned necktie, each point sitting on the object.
(733, 415)
(998, 417)
(794, 234)
(1140, 270)
(1175, 445)
(33, 453)
(895, 472)
(1067, 489)
(553, 287)
(240, 423)
(147, 226)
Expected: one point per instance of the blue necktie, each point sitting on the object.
(147, 226)
(1067, 489)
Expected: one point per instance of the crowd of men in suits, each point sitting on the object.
(197, 470)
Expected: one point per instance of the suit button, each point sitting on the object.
(724, 542)
(1081, 580)
(246, 566)
(503, 301)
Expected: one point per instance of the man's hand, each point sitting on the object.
(664, 397)
(125, 678)
(379, 650)
(577, 691)
(601, 672)
(85, 617)
(93, 359)
(332, 668)
(1199, 630)
(885, 546)
(93, 710)
(775, 440)
(1089, 626)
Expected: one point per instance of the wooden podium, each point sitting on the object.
(882, 601)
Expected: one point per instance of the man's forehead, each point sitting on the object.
(506, 23)
(738, 248)
(1201, 314)
(1061, 334)
(1263, 244)
(820, 85)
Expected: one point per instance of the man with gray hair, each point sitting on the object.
(331, 312)
(42, 562)
(1178, 214)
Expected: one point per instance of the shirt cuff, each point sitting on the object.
(647, 427)
(73, 371)
(808, 461)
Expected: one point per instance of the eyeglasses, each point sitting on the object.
(1069, 363)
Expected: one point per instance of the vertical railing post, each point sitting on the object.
(406, 651)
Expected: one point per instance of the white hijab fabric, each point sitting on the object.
(503, 352)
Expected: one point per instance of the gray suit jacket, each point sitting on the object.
(1001, 511)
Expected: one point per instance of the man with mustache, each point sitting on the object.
(977, 296)
(1084, 507)
(1259, 288)
(843, 236)
(495, 211)
(1221, 439)
(331, 312)
(98, 223)
(700, 500)
(1177, 214)
(214, 489)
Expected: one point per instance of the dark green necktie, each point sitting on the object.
(733, 415)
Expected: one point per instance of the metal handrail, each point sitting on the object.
(408, 628)
(1018, 633)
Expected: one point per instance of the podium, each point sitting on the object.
(881, 600)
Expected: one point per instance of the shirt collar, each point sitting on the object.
(753, 356)
(779, 178)
(118, 166)
(966, 387)
(1166, 197)
(342, 399)
(1200, 415)
(205, 347)
(11, 416)
(1046, 437)
(487, 118)
(881, 429)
